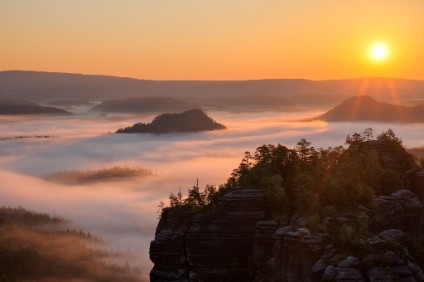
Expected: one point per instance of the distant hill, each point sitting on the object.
(48, 86)
(98, 175)
(28, 108)
(189, 121)
(245, 103)
(144, 104)
(69, 102)
(365, 108)
(39, 247)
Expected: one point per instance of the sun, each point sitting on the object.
(378, 52)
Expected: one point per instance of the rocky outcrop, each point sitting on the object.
(212, 247)
(219, 248)
(294, 254)
(168, 254)
(234, 242)
(168, 250)
(401, 210)
(381, 264)
(264, 244)
(288, 254)
(413, 180)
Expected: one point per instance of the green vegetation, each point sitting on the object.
(315, 184)
(37, 247)
(11, 107)
(189, 121)
(103, 174)
(181, 210)
(26, 137)
(23, 217)
(308, 181)
(305, 179)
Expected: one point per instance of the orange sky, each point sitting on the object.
(213, 39)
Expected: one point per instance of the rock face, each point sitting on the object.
(286, 253)
(210, 247)
(219, 247)
(264, 243)
(414, 180)
(168, 251)
(294, 255)
(401, 210)
(237, 243)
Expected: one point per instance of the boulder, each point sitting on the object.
(413, 180)
(348, 262)
(295, 256)
(349, 274)
(393, 234)
(401, 210)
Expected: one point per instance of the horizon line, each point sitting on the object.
(210, 80)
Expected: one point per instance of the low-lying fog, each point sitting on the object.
(124, 212)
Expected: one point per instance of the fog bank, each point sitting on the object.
(124, 212)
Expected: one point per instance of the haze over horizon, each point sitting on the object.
(214, 40)
(218, 80)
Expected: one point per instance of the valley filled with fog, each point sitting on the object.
(123, 210)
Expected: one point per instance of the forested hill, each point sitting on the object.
(189, 121)
(26, 108)
(143, 104)
(47, 86)
(39, 247)
(365, 108)
(348, 213)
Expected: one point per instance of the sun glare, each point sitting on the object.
(378, 52)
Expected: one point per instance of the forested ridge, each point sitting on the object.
(189, 121)
(39, 247)
(358, 205)
(306, 179)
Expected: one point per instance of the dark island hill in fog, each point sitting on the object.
(11, 107)
(47, 87)
(365, 108)
(193, 120)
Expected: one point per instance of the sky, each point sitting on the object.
(213, 39)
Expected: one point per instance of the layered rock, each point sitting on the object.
(219, 247)
(263, 247)
(168, 250)
(381, 263)
(295, 253)
(413, 180)
(236, 243)
(285, 253)
(401, 210)
(211, 247)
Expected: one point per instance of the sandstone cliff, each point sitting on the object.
(237, 243)
(214, 247)
(353, 214)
